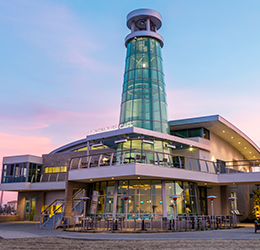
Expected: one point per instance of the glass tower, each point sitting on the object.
(144, 97)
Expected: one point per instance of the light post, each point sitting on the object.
(175, 197)
(126, 201)
(212, 197)
(85, 201)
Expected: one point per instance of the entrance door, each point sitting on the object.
(30, 204)
(27, 210)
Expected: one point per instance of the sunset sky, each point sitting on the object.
(62, 65)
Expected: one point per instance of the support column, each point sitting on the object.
(133, 27)
(164, 199)
(148, 26)
(115, 200)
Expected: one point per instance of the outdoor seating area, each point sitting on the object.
(150, 224)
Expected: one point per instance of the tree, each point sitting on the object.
(256, 198)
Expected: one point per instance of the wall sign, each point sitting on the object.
(111, 128)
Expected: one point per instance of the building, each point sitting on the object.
(146, 157)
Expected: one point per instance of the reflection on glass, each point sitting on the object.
(145, 187)
(145, 204)
(179, 188)
(169, 185)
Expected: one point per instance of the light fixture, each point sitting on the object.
(244, 147)
(224, 131)
(170, 146)
(239, 142)
(138, 177)
(232, 137)
(144, 65)
(145, 141)
(121, 141)
(97, 145)
(206, 184)
(90, 179)
(113, 178)
(190, 148)
(250, 152)
(234, 183)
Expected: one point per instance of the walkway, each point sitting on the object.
(16, 230)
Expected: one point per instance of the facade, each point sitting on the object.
(146, 157)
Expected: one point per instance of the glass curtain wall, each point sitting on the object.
(144, 97)
(187, 203)
(145, 198)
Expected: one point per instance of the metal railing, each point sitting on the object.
(130, 156)
(151, 224)
(50, 177)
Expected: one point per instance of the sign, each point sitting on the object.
(111, 128)
(93, 208)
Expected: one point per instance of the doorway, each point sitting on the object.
(30, 205)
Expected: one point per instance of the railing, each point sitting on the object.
(124, 157)
(52, 213)
(243, 166)
(50, 177)
(199, 222)
(78, 204)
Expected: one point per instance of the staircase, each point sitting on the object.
(52, 216)
(78, 204)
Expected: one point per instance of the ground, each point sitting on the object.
(61, 243)
(24, 235)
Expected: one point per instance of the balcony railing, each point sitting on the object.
(149, 157)
(243, 166)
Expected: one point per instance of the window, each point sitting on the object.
(56, 169)
(192, 132)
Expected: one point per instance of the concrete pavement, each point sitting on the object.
(16, 230)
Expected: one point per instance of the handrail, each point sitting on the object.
(51, 205)
(77, 192)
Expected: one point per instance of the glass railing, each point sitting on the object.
(244, 166)
(149, 157)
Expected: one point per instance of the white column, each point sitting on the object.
(164, 199)
(115, 200)
(148, 24)
(133, 27)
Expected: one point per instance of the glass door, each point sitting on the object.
(27, 210)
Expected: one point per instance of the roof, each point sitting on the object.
(222, 128)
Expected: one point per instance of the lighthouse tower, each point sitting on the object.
(143, 97)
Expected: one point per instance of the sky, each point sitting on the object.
(62, 66)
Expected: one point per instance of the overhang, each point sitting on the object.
(222, 128)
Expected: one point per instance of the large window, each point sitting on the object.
(16, 172)
(192, 132)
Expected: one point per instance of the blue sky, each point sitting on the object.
(62, 65)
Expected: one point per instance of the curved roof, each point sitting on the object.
(222, 128)
(70, 146)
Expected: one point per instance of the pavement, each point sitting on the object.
(19, 230)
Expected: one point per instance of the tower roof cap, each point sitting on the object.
(139, 14)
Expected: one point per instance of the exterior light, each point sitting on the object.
(113, 178)
(224, 131)
(170, 146)
(121, 141)
(232, 137)
(212, 197)
(84, 198)
(190, 149)
(144, 65)
(234, 183)
(232, 198)
(245, 147)
(145, 141)
(138, 177)
(239, 142)
(90, 179)
(250, 152)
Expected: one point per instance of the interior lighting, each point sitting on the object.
(145, 141)
(170, 146)
(144, 65)
(120, 141)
